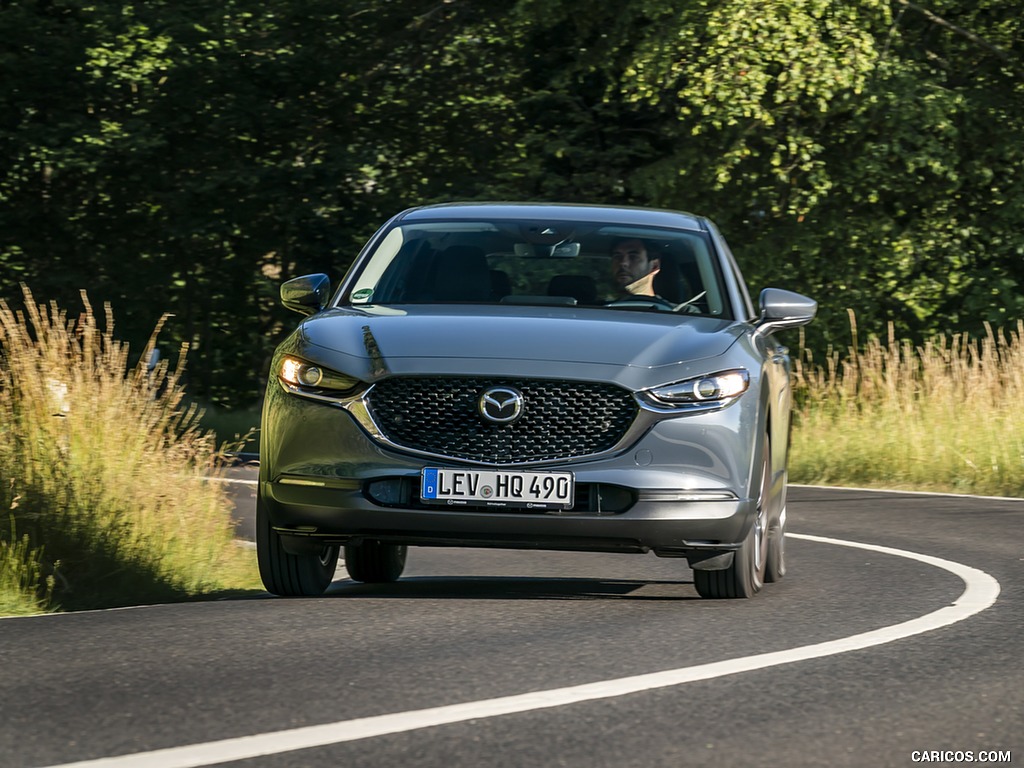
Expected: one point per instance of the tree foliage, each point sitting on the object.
(188, 157)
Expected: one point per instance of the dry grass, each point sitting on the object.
(944, 416)
(105, 470)
(23, 588)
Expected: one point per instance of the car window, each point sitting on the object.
(553, 263)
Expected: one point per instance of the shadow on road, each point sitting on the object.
(515, 588)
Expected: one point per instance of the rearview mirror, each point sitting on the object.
(306, 295)
(784, 309)
(568, 250)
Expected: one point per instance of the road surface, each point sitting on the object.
(905, 652)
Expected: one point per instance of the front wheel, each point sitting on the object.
(744, 578)
(746, 575)
(776, 568)
(305, 575)
(374, 562)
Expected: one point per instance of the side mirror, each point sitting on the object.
(306, 295)
(784, 309)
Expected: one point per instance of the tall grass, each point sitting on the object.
(23, 588)
(943, 416)
(103, 472)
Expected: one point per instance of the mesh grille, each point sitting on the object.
(560, 419)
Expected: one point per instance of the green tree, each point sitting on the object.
(863, 152)
(188, 158)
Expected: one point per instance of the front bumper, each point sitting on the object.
(336, 515)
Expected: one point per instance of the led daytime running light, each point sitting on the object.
(299, 373)
(705, 389)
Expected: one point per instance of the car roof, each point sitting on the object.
(652, 217)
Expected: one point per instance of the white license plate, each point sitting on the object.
(497, 488)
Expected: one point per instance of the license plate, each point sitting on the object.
(497, 488)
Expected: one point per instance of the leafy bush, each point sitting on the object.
(106, 476)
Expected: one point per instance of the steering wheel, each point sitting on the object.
(638, 301)
(688, 307)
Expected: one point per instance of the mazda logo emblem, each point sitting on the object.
(502, 405)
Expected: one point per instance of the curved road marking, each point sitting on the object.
(980, 593)
(900, 492)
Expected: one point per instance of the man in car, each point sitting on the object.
(632, 268)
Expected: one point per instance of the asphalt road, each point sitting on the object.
(770, 681)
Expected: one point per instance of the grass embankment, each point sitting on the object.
(104, 474)
(944, 416)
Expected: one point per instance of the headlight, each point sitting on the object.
(307, 376)
(714, 390)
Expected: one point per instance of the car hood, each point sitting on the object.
(590, 343)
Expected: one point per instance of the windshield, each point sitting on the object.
(552, 263)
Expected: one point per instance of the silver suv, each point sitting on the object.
(530, 376)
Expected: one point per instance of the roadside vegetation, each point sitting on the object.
(23, 588)
(941, 416)
(109, 486)
(109, 477)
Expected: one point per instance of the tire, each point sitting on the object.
(775, 567)
(374, 562)
(747, 573)
(291, 575)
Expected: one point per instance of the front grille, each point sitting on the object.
(560, 419)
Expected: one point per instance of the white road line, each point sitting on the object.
(902, 492)
(980, 593)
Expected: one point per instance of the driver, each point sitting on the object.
(633, 270)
